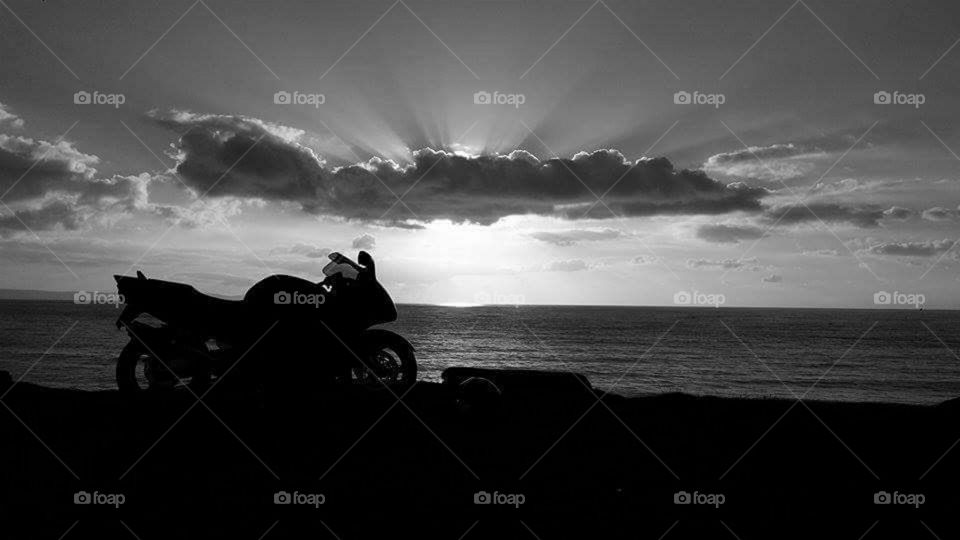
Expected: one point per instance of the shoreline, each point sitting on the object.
(609, 467)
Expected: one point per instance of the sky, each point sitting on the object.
(751, 153)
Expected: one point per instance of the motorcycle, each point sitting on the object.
(180, 336)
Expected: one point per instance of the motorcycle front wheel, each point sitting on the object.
(386, 359)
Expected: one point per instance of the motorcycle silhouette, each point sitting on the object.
(286, 332)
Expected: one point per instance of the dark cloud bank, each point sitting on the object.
(442, 185)
(576, 236)
(913, 249)
(62, 182)
(222, 156)
(728, 234)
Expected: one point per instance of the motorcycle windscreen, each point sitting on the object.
(332, 268)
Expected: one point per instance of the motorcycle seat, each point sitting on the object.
(156, 292)
(216, 303)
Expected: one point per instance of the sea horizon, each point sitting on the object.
(67, 297)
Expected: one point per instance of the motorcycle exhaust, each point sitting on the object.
(178, 357)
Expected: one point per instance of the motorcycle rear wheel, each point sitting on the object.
(136, 371)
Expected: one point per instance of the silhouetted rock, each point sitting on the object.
(516, 381)
(479, 397)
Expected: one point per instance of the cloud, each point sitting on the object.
(644, 260)
(572, 237)
(364, 241)
(898, 212)
(572, 265)
(31, 168)
(822, 252)
(928, 248)
(772, 278)
(864, 217)
(938, 213)
(304, 250)
(200, 213)
(481, 189)
(724, 264)
(777, 162)
(54, 185)
(57, 214)
(62, 199)
(9, 117)
(408, 224)
(728, 234)
(843, 186)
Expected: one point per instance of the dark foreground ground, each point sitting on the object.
(412, 469)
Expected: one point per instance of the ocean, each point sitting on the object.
(856, 355)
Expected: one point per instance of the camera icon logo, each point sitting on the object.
(282, 497)
(482, 98)
(82, 297)
(82, 497)
(681, 497)
(882, 98)
(282, 98)
(282, 298)
(682, 98)
(82, 98)
(481, 497)
(881, 497)
(882, 298)
(682, 298)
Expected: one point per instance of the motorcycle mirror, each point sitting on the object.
(366, 260)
